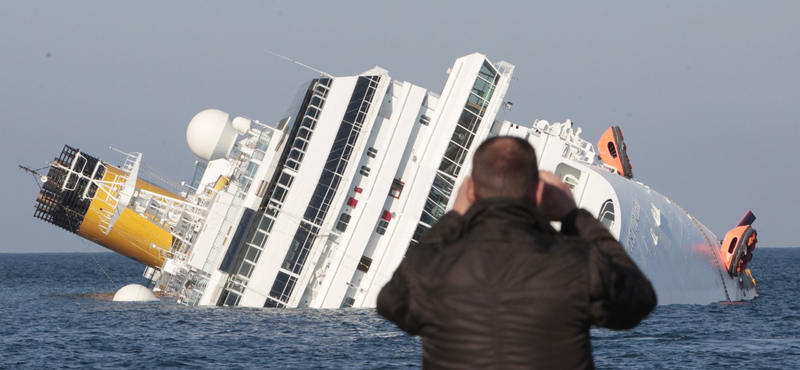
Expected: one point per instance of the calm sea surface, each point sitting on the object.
(51, 318)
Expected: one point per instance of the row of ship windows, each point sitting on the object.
(456, 152)
(295, 258)
(256, 242)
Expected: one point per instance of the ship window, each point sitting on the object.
(293, 164)
(253, 254)
(295, 157)
(309, 122)
(348, 302)
(312, 112)
(382, 225)
(300, 144)
(286, 180)
(246, 269)
(282, 287)
(372, 152)
(612, 150)
(271, 303)
(304, 133)
(420, 231)
(570, 175)
(279, 194)
(571, 181)
(468, 120)
(364, 264)
(364, 171)
(343, 220)
(232, 300)
(321, 89)
(733, 245)
(462, 136)
(607, 214)
(425, 120)
(258, 239)
(397, 189)
(266, 224)
(273, 208)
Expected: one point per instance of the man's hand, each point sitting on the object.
(553, 197)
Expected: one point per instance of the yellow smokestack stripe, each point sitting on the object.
(132, 235)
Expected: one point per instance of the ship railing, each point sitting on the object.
(505, 68)
(71, 171)
(194, 287)
(107, 192)
(120, 189)
(130, 161)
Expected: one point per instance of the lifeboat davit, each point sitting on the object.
(613, 151)
(738, 245)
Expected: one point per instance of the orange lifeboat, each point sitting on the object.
(738, 245)
(613, 151)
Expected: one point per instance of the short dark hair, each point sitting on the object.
(504, 166)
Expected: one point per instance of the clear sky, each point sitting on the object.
(707, 93)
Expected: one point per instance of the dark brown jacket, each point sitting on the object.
(499, 288)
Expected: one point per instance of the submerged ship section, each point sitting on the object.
(317, 208)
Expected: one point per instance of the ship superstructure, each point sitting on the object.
(318, 208)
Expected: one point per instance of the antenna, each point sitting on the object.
(301, 64)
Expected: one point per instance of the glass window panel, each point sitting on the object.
(258, 239)
(420, 232)
(382, 225)
(462, 136)
(232, 300)
(481, 87)
(266, 224)
(469, 120)
(449, 167)
(286, 180)
(293, 164)
(295, 155)
(344, 219)
(304, 133)
(279, 195)
(309, 122)
(312, 112)
(488, 72)
(279, 285)
(253, 254)
(299, 144)
(246, 269)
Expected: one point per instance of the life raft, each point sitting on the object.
(738, 245)
(613, 151)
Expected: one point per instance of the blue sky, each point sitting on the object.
(707, 93)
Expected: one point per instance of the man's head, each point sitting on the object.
(505, 166)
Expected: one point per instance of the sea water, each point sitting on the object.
(52, 316)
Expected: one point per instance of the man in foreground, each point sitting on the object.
(493, 286)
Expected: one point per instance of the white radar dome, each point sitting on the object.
(134, 293)
(211, 134)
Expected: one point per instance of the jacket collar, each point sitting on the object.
(512, 210)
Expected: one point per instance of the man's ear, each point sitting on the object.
(537, 193)
(470, 184)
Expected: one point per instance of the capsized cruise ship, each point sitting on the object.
(317, 207)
